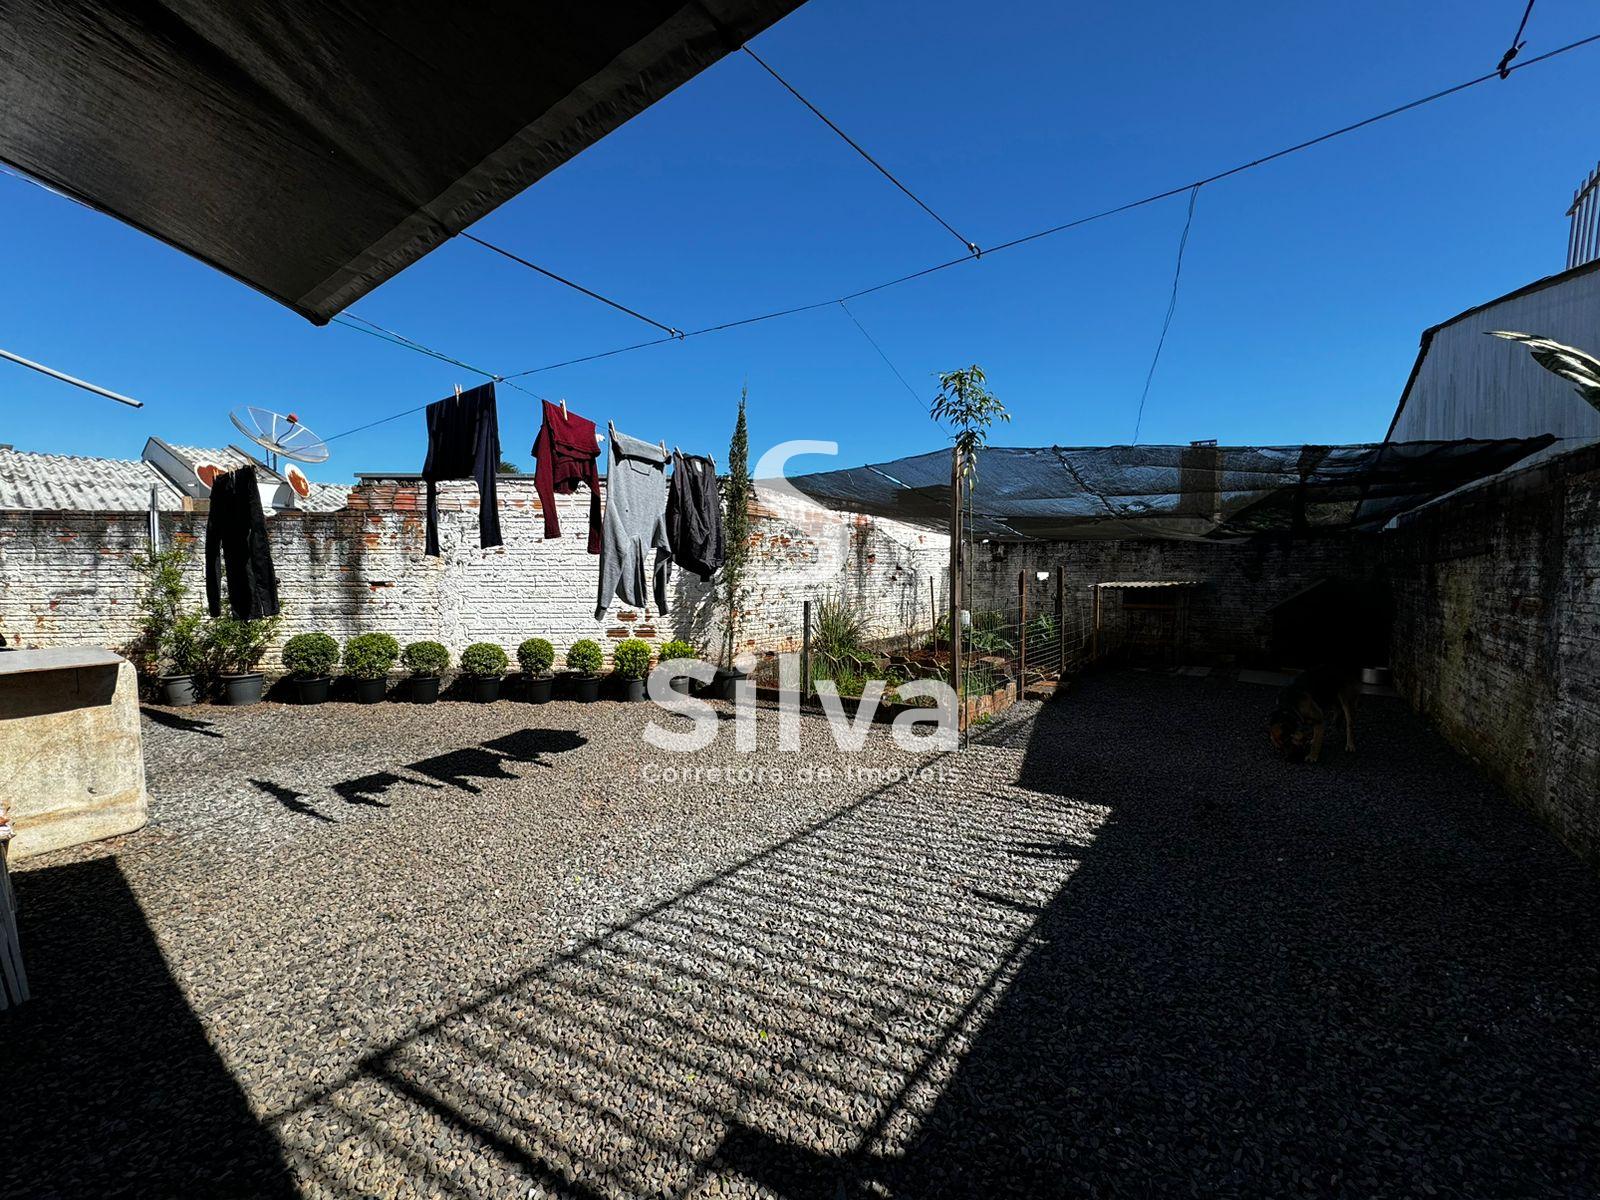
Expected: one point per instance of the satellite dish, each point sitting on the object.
(298, 481)
(207, 472)
(278, 434)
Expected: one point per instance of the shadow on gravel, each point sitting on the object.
(488, 760)
(108, 1085)
(368, 789)
(1372, 978)
(295, 802)
(182, 724)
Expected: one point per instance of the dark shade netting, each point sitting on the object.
(315, 148)
(1183, 492)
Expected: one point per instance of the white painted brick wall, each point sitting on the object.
(66, 577)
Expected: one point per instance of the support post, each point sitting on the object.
(805, 651)
(1061, 622)
(1094, 644)
(1022, 634)
(955, 585)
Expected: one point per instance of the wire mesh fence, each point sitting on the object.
(843, 642)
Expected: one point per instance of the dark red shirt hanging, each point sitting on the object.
(565, 455)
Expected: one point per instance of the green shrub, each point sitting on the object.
(678, 648)
(389, 642)
(535, 656)
(183, 644)
(585, 657)
(230, 646)
(310, 655)
(370, 655)
(631, 658)
(426, 658)
(484, 660)
(162, 593)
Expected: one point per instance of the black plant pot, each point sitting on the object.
(680, 683)
(370, 691)
(586, 688)
(241, 689)
(484, 690)
(539, 688)
(725, 685)
(178, 691)
(424, 689)
(633, 690)
(312, 691)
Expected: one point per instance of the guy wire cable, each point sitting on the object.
(1025, 239)
(1172, 307)
(577, 287)
(971, 246)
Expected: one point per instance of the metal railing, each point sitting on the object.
(1583, 238)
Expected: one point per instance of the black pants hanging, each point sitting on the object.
(464, 443)
(236, 532)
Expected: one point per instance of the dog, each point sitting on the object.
(1305, 707)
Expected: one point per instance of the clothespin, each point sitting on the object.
(458, 391)
(663, 444)
(563, 408)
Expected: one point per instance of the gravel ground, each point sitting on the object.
(1113, 947)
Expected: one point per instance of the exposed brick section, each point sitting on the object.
(1497, 634)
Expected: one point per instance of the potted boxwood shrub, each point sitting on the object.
(535, 656)
(584, 660)
(234, 649)
(169, 642)
(426, 661)
(182, 648)
(309, 658)
(631, 661)
(485, 663)
(678, 648)
(367, 659)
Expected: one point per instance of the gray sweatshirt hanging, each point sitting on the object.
(635, 523)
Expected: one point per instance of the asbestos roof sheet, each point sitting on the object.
(75, 483)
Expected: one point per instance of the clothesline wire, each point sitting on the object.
(669, 330)
(350, 321)
(1103, 214)
(1172, 307)
(886, 362)
(971, 246)
(677, 335)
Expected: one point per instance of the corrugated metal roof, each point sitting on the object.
(70, 481)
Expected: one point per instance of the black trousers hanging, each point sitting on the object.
(464, 443)
(236, 533)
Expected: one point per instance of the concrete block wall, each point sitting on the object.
(1229, 613)
(1497, 634)
(66, 577)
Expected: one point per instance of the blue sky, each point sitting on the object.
(1306, 283)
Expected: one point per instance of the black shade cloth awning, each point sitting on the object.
(1055, 493)
(315, 148)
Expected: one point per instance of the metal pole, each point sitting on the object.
(72, 379)
(955, 584)
(1061, 622)
(1094, 643)
(805, 651)
(1022, 634)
